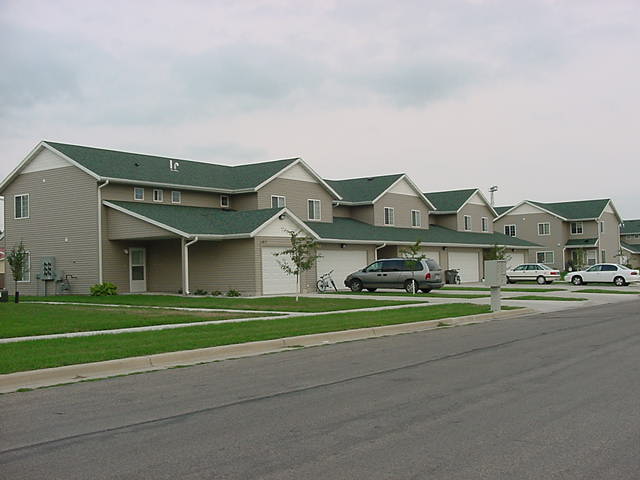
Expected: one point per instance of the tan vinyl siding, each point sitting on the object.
(610, 238)
(476, 212)
(402, 205)
(121, 226)
(342, 211)
(589, 229)
(363, 213)
(447, 221)
(245, 201)
(116, 261)
(297, 193)
(124, 192)
(62, 205)
(164, 266)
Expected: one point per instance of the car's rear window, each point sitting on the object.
(432, 264)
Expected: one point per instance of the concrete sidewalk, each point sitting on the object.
(76, 373)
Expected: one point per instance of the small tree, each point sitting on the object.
(414, 254)
(496, 253)
(302, 256)
(17, 260)
(579, 259)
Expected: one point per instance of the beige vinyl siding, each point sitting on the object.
(476, 212)
(402, 205)
(192, 198)
(297, 193)
(245, 201)
(364, 213)
(631, 239)
(342, 211)
(116, 261)
(164, 266)
(447, 221)
(610, 239)
(589, 230)
(63, 205)
(121, 226)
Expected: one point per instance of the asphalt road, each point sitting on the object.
(552, 396)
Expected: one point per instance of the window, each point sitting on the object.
(176, 197)
(545, 257)
(388, 216)
(485, 224)
(138, 193)
(609, 268)
(278, 201)
(467, 222)
(416, 220)
(26, 271)
(601, 227)
(374, 267)
(544, 229)
(158, 195)
(314, 209)
(21, 206)
(510, 230)
(576, 228)
(224, 201)
(602, 256)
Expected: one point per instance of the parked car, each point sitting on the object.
(539, 272)
(412, 275)
(604, 273)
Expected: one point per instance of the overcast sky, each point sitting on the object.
(537, 97)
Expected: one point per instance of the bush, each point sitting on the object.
(216, 293)
(233, 293)
(199, 291)
(104, 289)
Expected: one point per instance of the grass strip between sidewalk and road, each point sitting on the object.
(602, 290)
(542, 297)
(37, 354)
(27, 319)
(506, 289)
(285, 304)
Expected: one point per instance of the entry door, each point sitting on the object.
(137, 269)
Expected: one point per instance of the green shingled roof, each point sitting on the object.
(501, 210)
(578, 210)
(582, 242)
(630, 226)
(349, 229)
(362, 190)
(201, 220)
(450, 201)
(633, 248)
(149, 168)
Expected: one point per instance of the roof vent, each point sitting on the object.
(137, 164)
(173, 165)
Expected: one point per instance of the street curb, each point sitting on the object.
(87, 371)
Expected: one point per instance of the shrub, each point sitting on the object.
(104, 289)
(199, 291)
(233, 293)
(216, 293)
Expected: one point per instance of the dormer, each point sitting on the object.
(464, 210)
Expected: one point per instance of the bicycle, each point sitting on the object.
(326, 282)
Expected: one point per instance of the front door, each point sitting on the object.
(137, 269)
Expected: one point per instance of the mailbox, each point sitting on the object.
(495, 273)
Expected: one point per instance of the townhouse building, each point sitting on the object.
(570, 233)
(159, 224)
(630, 242)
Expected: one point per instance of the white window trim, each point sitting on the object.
(228, 201)
(173, 192)
(284, 201)
(161, 195)
(515, 230)
(28, 280)
(484, 223)
(544, 259)
(544, 234)
(418, 217)
(392, 216)
(319, 212)
(15, 211)
(576, 224)
(134, 194)
(464, 223)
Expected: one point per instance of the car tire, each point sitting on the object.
(411, 286)
(619, 282)
(356, 285)
(371, 289)
(541, 280)
(425, 290)
(509, 280)
(549, 282)
(577, 280)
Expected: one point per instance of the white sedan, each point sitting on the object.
(604, 273)
(533, 271)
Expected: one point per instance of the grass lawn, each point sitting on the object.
(602, 290)
(26, 319)
(288, 304)
(420, 295)
(542, 297)
(507, 289)
(36, 354)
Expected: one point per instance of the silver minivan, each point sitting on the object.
(412, 275)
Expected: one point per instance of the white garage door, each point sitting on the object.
(342, 262)
(467, 265)
(432, 254)
(274, 280)
(514, 259)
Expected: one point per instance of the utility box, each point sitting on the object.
(48, 268)
(495, 273)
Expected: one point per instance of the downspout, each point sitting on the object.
(100, 273)
(185, 269)
(378, 248)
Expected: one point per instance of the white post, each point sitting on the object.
(185, 264)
